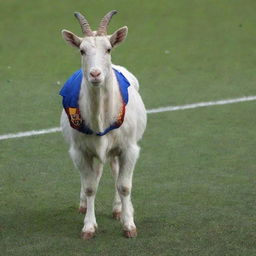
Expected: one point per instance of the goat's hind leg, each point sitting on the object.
(79, 162)
(83, 201)
(117, 205)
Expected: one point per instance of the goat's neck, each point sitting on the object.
(100, 106)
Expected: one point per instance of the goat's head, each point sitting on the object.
(95, 47)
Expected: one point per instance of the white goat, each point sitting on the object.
(100, 104)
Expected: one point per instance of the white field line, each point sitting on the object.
(149, 111)
(29, 133)
(201, 104)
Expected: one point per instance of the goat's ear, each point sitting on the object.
(118, 36)
(71, 38)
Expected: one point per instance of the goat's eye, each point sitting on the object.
(108, 50)
(82, 52)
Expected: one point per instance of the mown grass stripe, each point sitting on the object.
(149, 111)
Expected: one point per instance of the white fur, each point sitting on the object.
(100, 104)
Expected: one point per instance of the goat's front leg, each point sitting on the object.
(90, 172)
(128, 160)
(91, 180)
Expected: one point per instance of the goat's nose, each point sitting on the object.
(95, 73)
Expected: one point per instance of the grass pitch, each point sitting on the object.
(194, 184)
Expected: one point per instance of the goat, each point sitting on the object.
(100, 103)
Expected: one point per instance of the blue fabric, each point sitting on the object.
(123, 85)
(70, 90)
(70, 93)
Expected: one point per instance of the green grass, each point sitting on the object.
(194, 185)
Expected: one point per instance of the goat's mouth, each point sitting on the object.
(96, 82)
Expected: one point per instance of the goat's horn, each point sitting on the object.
(84, 24)
(102, 30)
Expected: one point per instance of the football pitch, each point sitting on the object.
(194, 184)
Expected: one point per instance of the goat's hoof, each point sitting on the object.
(116, 215)
(87, 235)
(82, 210)
(130, 233)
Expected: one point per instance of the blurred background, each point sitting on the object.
(194, 186)
(181, 51)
